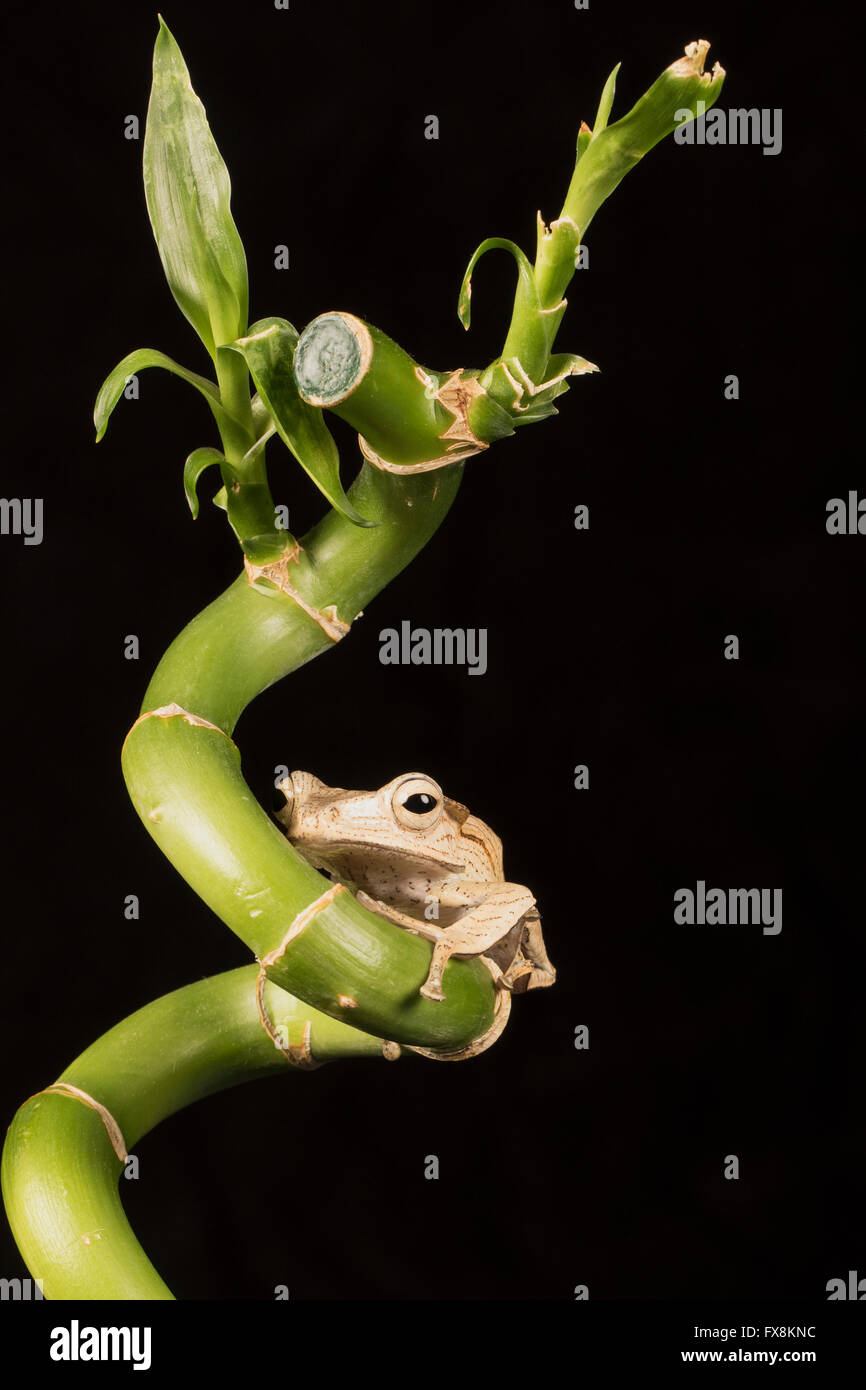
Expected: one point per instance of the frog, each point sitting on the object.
(419, 859)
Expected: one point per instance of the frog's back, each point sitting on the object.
(489, 855)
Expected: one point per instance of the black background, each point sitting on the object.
(558, 1167)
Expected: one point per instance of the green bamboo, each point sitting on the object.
(604, 156)
(60, 1171)
(336, 979)
(186, 784)
(403, 411)
(409, 416)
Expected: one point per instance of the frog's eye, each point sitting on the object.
(417, 803)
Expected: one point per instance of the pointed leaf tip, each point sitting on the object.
(604, 106)
(188, 194)
(198, 461)
(114, 385)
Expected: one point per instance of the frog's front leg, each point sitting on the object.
(428, 930)
(492, 910)
(421, 927)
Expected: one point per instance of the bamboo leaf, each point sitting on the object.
(603, 114)
(114, 385)
(188, 195)
(528, 337)
(198, 461)
(267, 351)
(526, 281)
(536, 413)
(615, 149)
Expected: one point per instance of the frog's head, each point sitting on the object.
(409, 819)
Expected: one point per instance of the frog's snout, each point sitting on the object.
(300, 790)
(284, 814)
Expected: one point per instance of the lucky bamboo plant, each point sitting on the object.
(333, 979)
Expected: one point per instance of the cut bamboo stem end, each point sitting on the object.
(332, 358)
(409, 418)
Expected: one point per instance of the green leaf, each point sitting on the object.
(268, 352)
(603, 113)
(615, 149)
(525, 400)
(198, 461)
(487, 418)
(114, 385)
(560, 366)
(529, 335)
(261, 415)
(188, 195)
(563, 364)
(526, 280)
(543, 411)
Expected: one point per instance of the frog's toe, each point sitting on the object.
(542, 977)
(518, 978)
(432, 991)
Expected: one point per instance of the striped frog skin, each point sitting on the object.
(421, 860)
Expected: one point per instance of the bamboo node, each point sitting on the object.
(112, 1128)
(299, 1054)
(457, 456)
(277, 572)
(296, 1054)
(175, 711)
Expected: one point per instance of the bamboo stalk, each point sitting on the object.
(185, 780)
(60, 1169)
(293, 601)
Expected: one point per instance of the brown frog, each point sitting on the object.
(416, 857)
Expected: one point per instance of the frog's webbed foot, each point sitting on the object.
(541, 970)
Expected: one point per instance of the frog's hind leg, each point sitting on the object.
(533, 968)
